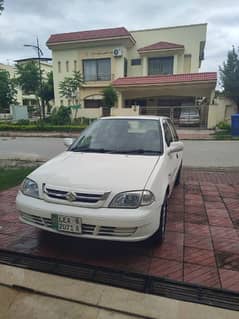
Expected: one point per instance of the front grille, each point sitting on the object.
(74, 198)
(87, 229)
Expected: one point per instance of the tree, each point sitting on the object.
(28, 78)
(229, 75)
(7, 91)
(48, 89)
(69, 86)
(109, 96)
(1, 6)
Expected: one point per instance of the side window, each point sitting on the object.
(173, 130)
(167, 133)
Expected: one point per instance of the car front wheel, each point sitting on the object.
(159, 235)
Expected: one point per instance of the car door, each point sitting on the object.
(172, 159)
(178, 155)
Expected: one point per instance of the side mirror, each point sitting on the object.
(175, 147)
(68, 141)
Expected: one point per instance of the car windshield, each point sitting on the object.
(122, 136)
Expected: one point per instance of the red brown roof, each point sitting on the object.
(165, 79)
(161, 46)
(89, 35)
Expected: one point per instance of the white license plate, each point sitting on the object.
(68, 224)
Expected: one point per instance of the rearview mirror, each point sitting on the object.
(175, 147)
(68, 141)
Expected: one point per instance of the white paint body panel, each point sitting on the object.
(106, 173)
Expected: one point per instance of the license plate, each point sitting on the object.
(67, 224)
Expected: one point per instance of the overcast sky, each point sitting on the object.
(23, 20)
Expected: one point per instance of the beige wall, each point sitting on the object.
(190, 36)
(78, 55)
(221, 111)
(133, 111)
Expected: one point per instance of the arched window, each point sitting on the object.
(67, 66)
(75, 65)
(59, 66)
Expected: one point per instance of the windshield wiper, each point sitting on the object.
(89, 150)
(138, 151)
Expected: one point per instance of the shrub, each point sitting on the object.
(23, 122)
(224, 126)
(41, 127)
(60, 116)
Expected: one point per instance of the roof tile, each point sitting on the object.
(161, 46)
(88, 35)
(165, 79)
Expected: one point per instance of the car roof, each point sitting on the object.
(138, 117)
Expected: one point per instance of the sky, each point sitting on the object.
(23, 20)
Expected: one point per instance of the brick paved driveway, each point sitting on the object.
(201, 245)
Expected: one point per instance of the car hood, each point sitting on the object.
(94, 171)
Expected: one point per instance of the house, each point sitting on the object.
(155, 71)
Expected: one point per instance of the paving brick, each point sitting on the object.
(196, 219)
(198, 256)
(211, 198)
(231, 203)
(227, 260)
(202, 275)
(229, 279)
(166, 268)
(175, 238)
(225, 239)
(198, 240)
(177, 226)
(169, 251)
(197, 229)
(219, 217)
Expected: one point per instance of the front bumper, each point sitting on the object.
(98, 223)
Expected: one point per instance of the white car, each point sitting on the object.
(112, 182)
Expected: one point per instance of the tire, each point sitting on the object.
(159, 235)
(178, 178)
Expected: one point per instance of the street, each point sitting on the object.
(196, 153)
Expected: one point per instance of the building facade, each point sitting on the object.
(154, 71)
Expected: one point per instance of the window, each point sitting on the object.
(167, 133)
(125, 67)
(67, 66)
(75, 65)
(160, 65)
(173, 130)
(136, 62)
(91, 104)
(61, 102)
(97, 70)
(69, 102)
(59, 66)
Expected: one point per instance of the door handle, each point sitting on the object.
(177, 155)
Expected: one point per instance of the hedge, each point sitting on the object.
(41, 128)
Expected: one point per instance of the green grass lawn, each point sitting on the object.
(10, 177)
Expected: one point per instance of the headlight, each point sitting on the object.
(132, 199)
(30, 188)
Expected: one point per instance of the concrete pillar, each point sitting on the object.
(145, 66)
(120, 100)
(175, 64)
